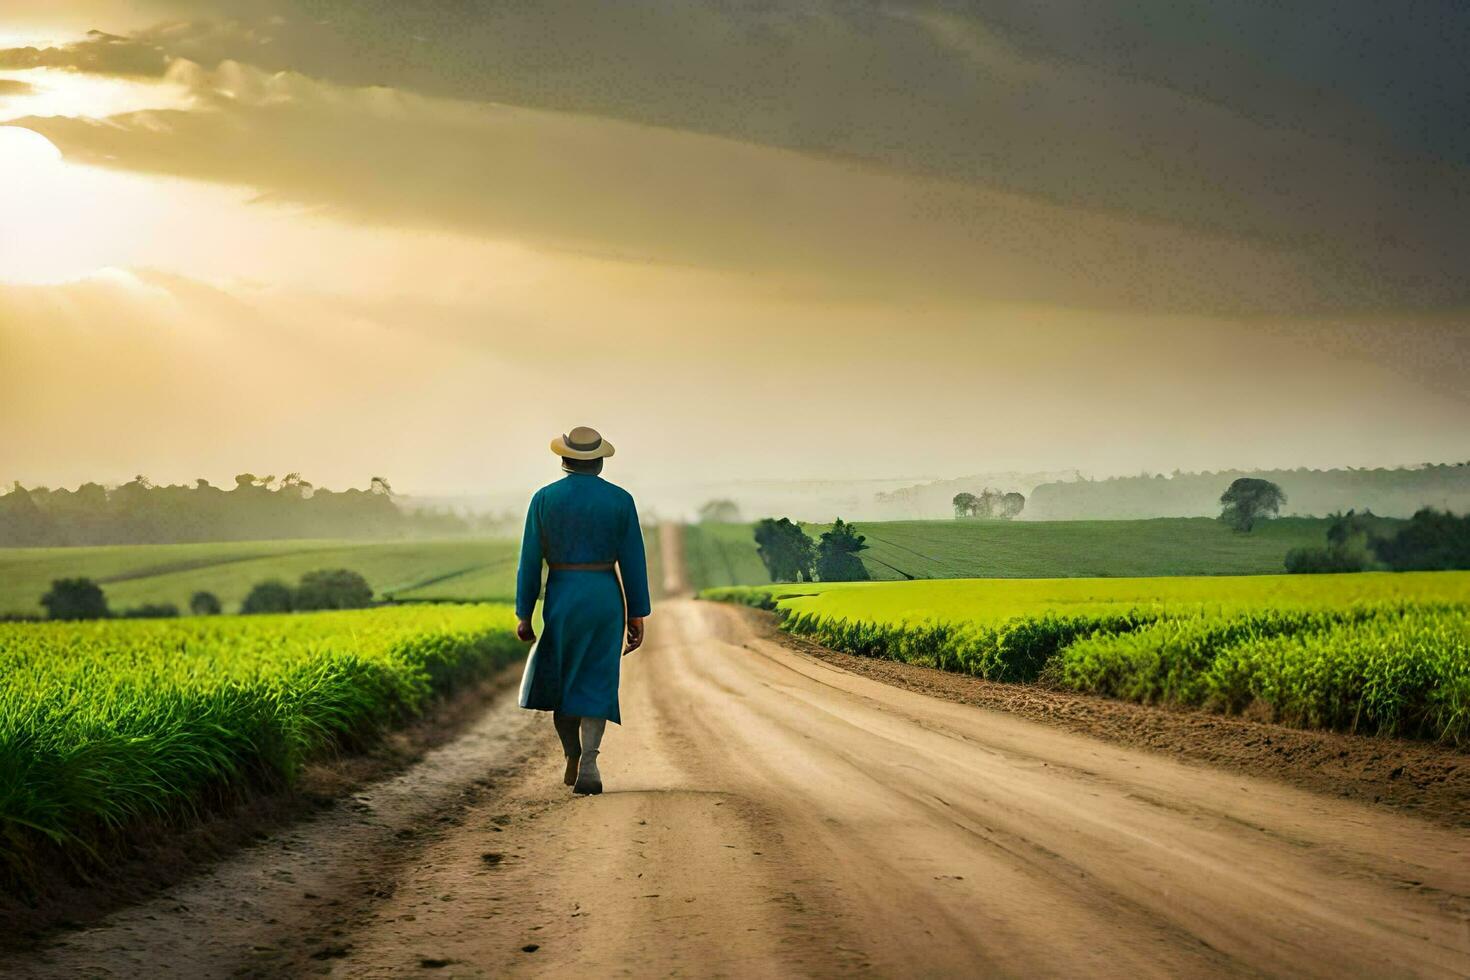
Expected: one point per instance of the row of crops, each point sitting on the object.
(104, 725)
(1376, 654)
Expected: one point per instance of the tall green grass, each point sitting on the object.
(104, 725)
(1393, 669)
(1379, 653)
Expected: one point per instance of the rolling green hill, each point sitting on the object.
(458, 569)
(724, 554)
(134, 574)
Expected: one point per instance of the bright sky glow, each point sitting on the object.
(908, 245)
(57, 92)
(33, 38)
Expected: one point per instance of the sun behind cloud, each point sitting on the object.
(25, 154)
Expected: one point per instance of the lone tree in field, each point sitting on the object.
(785, 550)
(837, 555)
(75, 598)
(1249, 500)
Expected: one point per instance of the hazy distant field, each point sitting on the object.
(134, 574)
(724, 554)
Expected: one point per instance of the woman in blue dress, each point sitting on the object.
(586, 530)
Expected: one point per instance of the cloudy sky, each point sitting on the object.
(745, 238)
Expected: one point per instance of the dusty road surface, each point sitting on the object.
(770, 815)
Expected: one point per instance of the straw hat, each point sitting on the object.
(582, 443)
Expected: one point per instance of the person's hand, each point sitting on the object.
(525, 632)
(635, 634)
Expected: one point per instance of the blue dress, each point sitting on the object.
(574, 666)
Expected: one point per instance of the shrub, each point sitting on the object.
(75, 598)
(152, 610)
(1013, 650)
(1349, 539)
(205, 604)
(1432, 541)
(1318, 561)
(332, 589)
(271, 596)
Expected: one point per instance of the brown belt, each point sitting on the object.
(581, 566)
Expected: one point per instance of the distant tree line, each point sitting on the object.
(1431, 541)
(790, 555)
(334, 588)
(988, 504)
(82, 598)
(1389, 492)
(138, 512)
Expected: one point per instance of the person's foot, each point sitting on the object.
(589, 780)
(568, 730)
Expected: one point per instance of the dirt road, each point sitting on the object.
(768, 815)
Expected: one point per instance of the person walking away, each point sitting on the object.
(586, 531)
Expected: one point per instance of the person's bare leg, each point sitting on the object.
(589, 780)
(567, 727)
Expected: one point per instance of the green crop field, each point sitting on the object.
(106, 723)
(1369, 652)
(724, 554)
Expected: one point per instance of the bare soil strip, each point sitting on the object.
(769, 814)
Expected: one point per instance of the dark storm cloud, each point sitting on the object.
(1336, 140)
(636, 193)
